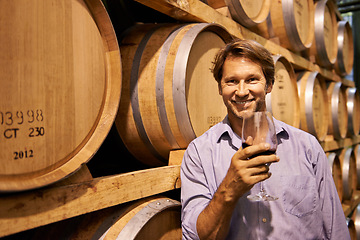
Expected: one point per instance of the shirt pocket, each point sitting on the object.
(300, 197)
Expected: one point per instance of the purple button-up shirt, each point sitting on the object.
(308, 206)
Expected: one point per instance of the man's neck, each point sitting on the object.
(236, 124)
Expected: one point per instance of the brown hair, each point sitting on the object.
(247, 49)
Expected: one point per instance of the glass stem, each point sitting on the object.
(262, 187)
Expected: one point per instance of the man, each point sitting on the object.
(217, 174)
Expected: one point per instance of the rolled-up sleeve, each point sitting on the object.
(195, 193)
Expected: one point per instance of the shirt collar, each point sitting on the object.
(279, 126)
(225, 129)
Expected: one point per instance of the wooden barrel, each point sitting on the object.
(351, 227)
(336, 171)
(283, 101)
(325, 46)
(353, 109)
(60, 87)
(265, 29)
(345, 54)
(293, 23)
(314, 111)
(356, 150)
(338, 120)
(157, 218)
(249, 12)
(169, 96)
(356, 219)
(349, 172)
(152, 218)
(246, 12)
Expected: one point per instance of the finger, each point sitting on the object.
(262, 177)
(256, 178)
(249, 141)
(261, 160)
(258, 170)
(249, 151)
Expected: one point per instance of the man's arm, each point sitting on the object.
(214, 221)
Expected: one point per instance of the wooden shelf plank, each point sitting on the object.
(330, 144)
(193, 11)
(348, 82)
(23, 211)
(349, 206)
(176, 156)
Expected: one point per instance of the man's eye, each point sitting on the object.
(231, 81)
(252, 79)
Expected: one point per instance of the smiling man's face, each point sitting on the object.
(243, 87)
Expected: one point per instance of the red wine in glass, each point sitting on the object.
(268, 152)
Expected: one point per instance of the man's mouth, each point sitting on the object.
(243, 102)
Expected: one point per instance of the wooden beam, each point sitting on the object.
(330, 144)
(176, 157)
(350, 205)
(193, 11)
(23, 211)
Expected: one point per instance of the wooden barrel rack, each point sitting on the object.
(82, 193)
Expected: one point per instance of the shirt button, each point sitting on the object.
(264, 220)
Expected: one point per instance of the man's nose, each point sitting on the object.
(242, 89)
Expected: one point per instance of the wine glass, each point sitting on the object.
(258, 127)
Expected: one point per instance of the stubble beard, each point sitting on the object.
(259, 106)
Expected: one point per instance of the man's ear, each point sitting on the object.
(269, 87)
